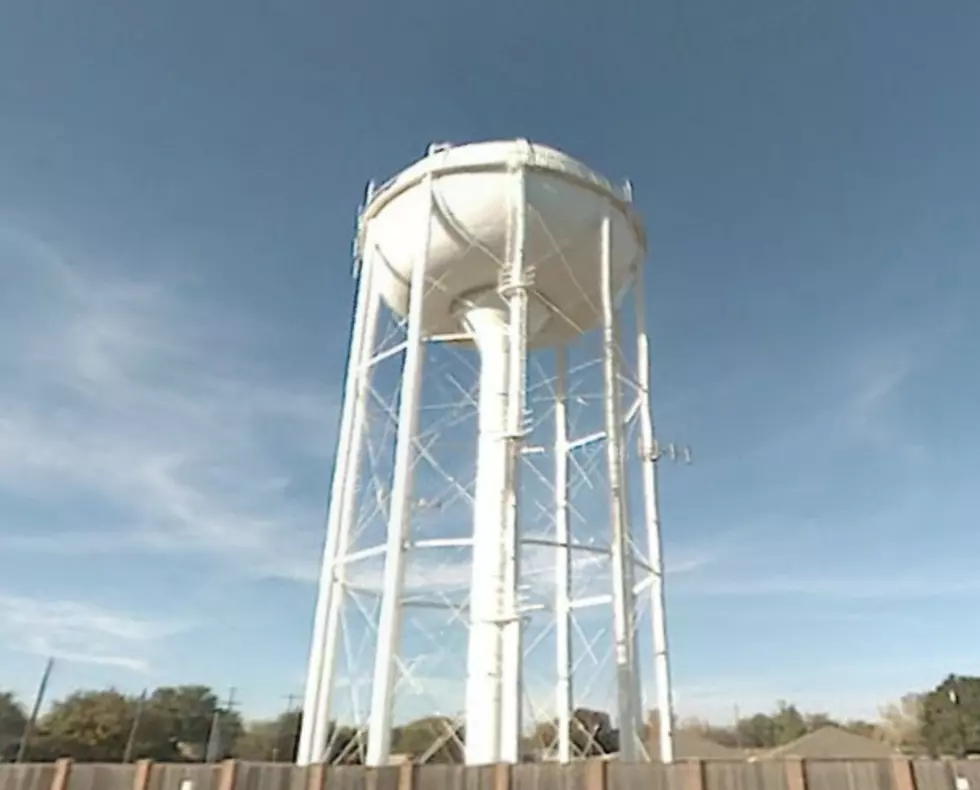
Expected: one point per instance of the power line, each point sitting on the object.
(282, 736)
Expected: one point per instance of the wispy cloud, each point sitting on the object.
(80, 632)
(128, 393)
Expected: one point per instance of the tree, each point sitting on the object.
(87, 725)
(901, 723)
(757, 732)
(951, 716)
(817, 721)
(345, 745)
(866, 729)
(13, 722)
(788, 723)
(591, 734)
(433, 739)
(274, 740)
(724, 736)
(544, 739)
(183, 716)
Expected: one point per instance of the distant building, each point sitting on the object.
(831, 743)
(690, 745)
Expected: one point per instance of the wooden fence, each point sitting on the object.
(898, 773)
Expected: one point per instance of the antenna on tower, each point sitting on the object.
(672, 452)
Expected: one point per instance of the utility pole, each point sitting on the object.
(291, 700)
(213, 753)
(131, 740)
(35, 712)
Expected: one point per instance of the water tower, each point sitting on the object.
(493, 519)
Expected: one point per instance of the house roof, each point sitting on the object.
(694, 746)
(833, 743)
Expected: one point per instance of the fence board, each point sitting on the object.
(453, 777)
(26, 777)
(101, 776)
(636, 776)
(694, 775)
(967, 769)
(725, 775)
(271, 776)
(932, 775)
(173, 776)
(683, 775)
(351, 777)
(543, 776)
(848, 775)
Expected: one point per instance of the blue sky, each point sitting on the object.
(177, 194)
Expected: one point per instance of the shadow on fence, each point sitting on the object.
(898, 773)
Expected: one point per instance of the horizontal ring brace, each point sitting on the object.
(442, 543)
(588, 603)
(450, 337)
(425, 603)
(605, 550)
(586, 440)
(602, 600)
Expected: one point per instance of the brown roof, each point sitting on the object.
(833, 743)
(694, 746)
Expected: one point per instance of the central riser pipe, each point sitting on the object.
(488, 326)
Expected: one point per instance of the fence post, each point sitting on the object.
(228, 770)
(795, 773)
(62, 768)
(406, 776)
(903, 775)
(595, 775)
(141, 779)
(314, 779)
(693, 775)
(501, 777)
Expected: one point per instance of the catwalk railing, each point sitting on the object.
(895, 774)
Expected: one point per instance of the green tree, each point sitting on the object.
(433, 739)
(273, 740)
(817, 721)
(13, 722)
(345, 745)
(87, 725)
(788, 723)
(951, 716)
(757, 732)
(182, 717)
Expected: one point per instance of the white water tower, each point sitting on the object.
(494, 487)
